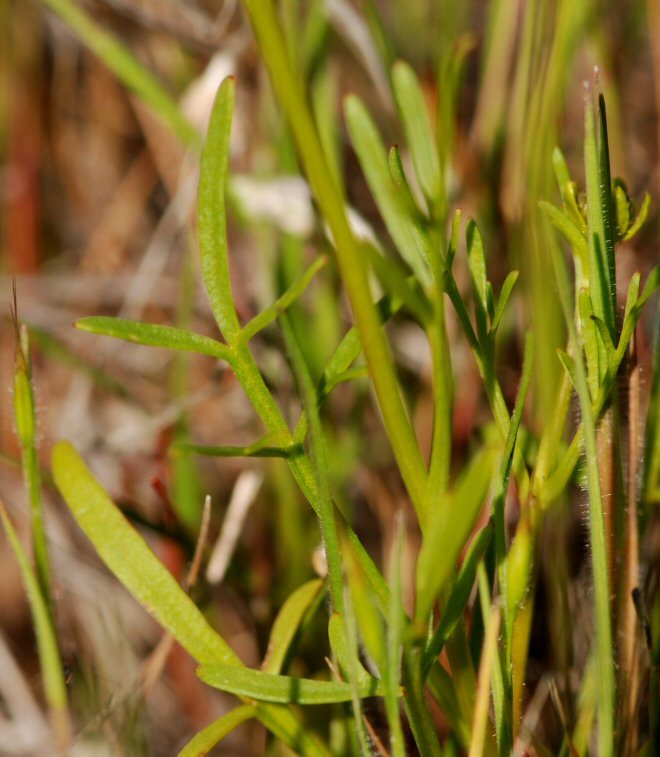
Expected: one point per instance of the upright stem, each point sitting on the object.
(381, 367)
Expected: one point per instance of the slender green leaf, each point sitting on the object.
(397, 284)
(601, 288)
(49, 654)
(477, 263)
(270, 445)
(449, 527)
(392, 670)
(567, 227)
(266, 687)
(118, 58)
(604, 649)
(407, 233)
(505, 293)
(211, 212)
(641, 216)
(419, 135)
(460, 594)
(202, 743)
(272, 312)
(560, 166)
(155, 335)
(135, 565)
(127, 555)
(287, 624)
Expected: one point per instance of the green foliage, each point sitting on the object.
(379, 646)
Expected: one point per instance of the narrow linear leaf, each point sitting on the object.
(449, 527)
(266, 687)
(407, 234)
(652, 284)
(269, 445)
(294, 292)
(125, 66)
(127, 555)
(393, 277)
(202, 743)
(367, 615)
(419, 136)
(288, 622)
(459, 595)
(641, 216)
(505, 293)
(154, 335)
(477, 263)
(211, 213)
(453, 239)
(569, 230)
(560, 167)
(49, 655)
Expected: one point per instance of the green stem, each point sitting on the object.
(438, 478)
(381, 367)
(604, 650)
(325, 507)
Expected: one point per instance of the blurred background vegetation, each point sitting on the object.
(98, 195)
